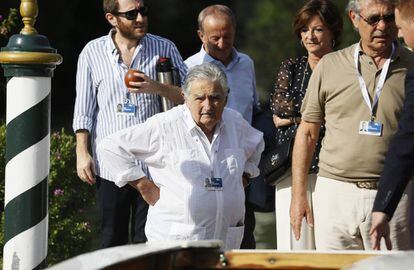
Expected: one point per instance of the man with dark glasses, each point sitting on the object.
(105, 105)
(373, 20)
(133, 13)
(358, 92)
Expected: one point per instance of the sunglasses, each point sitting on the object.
(375, 19)
(133, 13)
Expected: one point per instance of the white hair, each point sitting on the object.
(208, 72)
(355, 5)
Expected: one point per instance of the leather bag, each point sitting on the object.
(276, 162)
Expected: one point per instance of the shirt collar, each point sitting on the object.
(110, 44)
(113, 51)
(394, 57)
(207, 58)
(398, 51)
(188, 119)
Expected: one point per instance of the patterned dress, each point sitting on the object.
(286, 100)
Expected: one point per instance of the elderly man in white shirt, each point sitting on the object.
(200, 156)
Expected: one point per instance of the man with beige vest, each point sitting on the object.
(358, 92)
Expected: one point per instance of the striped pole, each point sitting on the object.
(28, 62)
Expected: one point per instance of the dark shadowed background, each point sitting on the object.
(263, 31)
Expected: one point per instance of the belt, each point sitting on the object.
(367, 184)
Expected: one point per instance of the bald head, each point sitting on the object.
(216, 10)
(217, 31)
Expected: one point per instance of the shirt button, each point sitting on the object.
(370, 63)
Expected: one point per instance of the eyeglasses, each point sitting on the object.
(375, 19)
(133, 13)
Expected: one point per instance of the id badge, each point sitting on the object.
(127, 108)
(372, 128)
(213, 184)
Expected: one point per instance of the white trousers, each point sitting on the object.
(284, 235)
(342, 214)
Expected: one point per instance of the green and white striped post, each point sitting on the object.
(28, 62)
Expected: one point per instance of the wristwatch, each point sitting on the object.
(295, 119)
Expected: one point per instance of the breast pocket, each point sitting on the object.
(188, 165)
(235, 160)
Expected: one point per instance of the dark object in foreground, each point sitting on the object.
(208, 255)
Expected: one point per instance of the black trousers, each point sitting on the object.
(119, 206)
(248, 242)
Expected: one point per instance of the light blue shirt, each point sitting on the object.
(241, 79)
(100, 87)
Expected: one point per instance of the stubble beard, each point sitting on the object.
(128, 31)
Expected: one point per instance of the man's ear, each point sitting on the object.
(111, 19)
(200, 35)
(354, 18)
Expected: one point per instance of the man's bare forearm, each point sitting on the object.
(303, 150)
(171, 92)
(305, 140)
(148, 190)
(82, 136)
(85, 166)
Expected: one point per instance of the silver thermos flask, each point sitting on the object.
(165, 75)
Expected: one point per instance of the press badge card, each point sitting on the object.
(372, 128)
(127, 107)
(213, 184)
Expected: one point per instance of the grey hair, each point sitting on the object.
(208, 72)
(355, 5)
(216, 9)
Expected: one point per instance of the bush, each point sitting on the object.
(71, 229)
(8, 24)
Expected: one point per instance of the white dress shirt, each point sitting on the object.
(241, 78)
(180, 157)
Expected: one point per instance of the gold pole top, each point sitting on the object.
(29, 11)
(29, 48)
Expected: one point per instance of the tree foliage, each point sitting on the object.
(264, 31)
(72, 218)
(9, 23)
